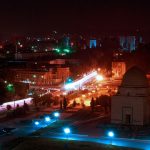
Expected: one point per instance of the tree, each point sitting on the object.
(61, 104)
(9, 107)
(2, 93)
(74, 103)
(92, 104)
(105, 102)
(65, 103)
(26, 106)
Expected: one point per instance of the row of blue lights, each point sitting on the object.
(47, 118)
(67, 130)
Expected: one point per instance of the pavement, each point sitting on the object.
(22, 129)
(132, 143)
(89, 133)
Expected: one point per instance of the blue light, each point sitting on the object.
(36, 123)
(93, 43)
(56, 114)
(67, 130)
(47, 119)
(111, 134)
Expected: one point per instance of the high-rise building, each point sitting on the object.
(93, 43)
(128, 43)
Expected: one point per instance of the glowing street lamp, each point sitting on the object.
(5, 81)
(47, 119)
(36, 123)
(34, 76)
(111, 135)
(67, 131)
(56, 114)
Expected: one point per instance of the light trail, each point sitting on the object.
(13, 104)
(80, 82)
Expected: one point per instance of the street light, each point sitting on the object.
(36, 123)
(5, 81)
(111, 135)
(56, 114)
(47, 119)
(67, 131)
(99, 78)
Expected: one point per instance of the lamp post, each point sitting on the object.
(47, 119)
(36, 123)
(67, 131)
(56, 115)
(111, 135)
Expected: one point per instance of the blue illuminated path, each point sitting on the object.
(132, 143)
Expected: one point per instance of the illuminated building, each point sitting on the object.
(131, 104)
(128, 43)
(93, 43)
(52, 77)
(118, 69)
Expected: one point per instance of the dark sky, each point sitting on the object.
(43, 16)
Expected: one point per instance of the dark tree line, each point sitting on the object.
(103, 100)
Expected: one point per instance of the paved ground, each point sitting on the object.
(85, 130)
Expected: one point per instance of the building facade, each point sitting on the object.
(118, 69)
(131, 104)
(51, 77)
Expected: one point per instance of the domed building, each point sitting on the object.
(131, 104)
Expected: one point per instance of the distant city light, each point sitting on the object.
(21, 46)
(34, 76)
(58, 50)
(10, 87)
(99, 78)
(66, 50)
(64, 93)
(5, 81)
(83, 95)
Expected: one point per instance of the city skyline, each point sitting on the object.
(35, 18)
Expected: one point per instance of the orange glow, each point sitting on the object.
(87, 102)
(83, 95)
(64, 93)
(99, 78)
(89, 93)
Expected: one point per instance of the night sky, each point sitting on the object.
(43, 16)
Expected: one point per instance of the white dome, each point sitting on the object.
(135, 77)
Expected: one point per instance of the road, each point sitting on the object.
(25, 130)
(132, 143)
